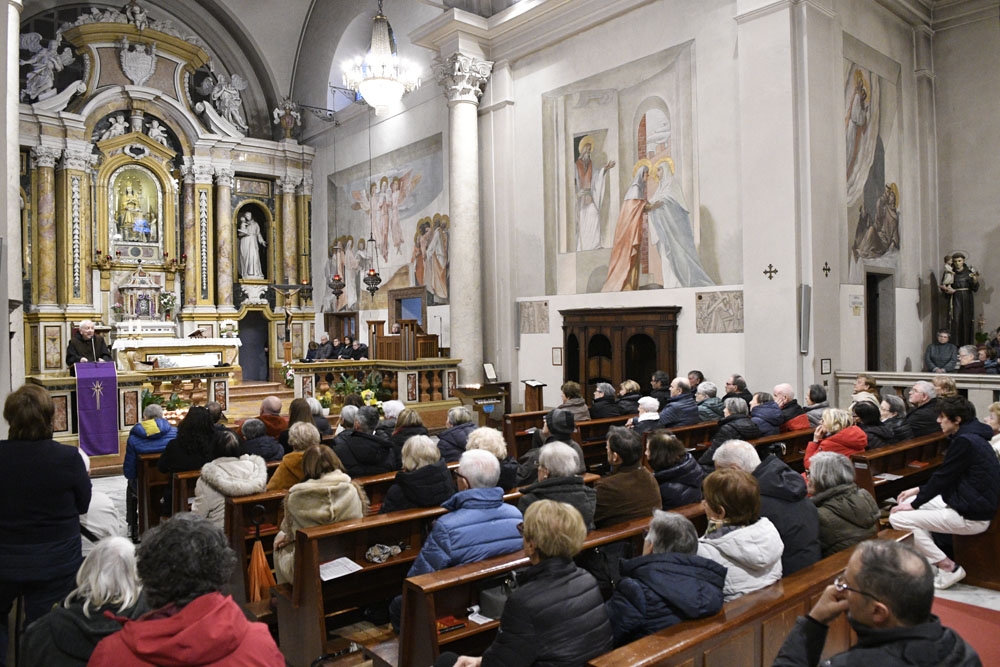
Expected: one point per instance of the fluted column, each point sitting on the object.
(44, 158)
(224, 237)
(463, 78)
(190, 249)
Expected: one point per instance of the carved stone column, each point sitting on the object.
(190, 248)
(289, 260)
(45, 161)
(73, 251)
(304, 210)
(224, 237)
(205, 247)
(463, 78)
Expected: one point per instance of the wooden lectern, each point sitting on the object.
(490, 402)
(533, 395)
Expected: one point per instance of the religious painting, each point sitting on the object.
(53, 347)
(719, 312)
(621, 183)
(307, 386)
(130, 407)
(451, 382)
(390, 216)
(60, 418)
(135, 213)
(873, 169)
(411, 387)
(297, 339)
(34, 348)
(219, 393)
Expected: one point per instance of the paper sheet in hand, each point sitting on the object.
(337, 568)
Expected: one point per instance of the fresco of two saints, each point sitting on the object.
(627, 134)
(871, 137)
(398, 204)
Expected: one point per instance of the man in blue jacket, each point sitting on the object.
(681, 408)
(149, 436)
(478, 525)
(962, 495)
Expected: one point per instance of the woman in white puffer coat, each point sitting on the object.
(747, 544)
(229, 474)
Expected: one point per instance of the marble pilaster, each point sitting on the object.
(224, 237)
(45, 161)
(204, 260)
(12, 365)
(190, 249)
(303, 208)
(463, 78)
(289, 231)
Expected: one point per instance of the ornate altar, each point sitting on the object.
(141, 297)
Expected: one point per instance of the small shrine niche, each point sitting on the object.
(141, 297)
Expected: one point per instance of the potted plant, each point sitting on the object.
(287, 375)
(117, 309)
(325, 401)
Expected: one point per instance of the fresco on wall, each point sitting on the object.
(873, 170)
(719, 312)
(621, 178)
(398, 200)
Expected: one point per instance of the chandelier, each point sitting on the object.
(381, 77)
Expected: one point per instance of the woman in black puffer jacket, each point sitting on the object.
(736, 425)
(556, 616)
(676, 471)
(424, 481)
(628, 397)
(451, 441)
(605, 403)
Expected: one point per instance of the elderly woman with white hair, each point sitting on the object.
(424, 481)
(847, 515)
(492, 441)
(319, 419)
(557, 480)
(649, 415)
(605, 402)
(106, 582)
(452, 440)
(390, 412)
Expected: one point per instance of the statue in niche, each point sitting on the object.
(959, 282)
(250, 238)
(45, 62)
(118, 127)
(158, 133)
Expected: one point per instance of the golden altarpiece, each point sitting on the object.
(144, 164)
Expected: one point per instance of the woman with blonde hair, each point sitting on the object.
(301, 436)
(993, 421)
(492, 441)
(106, 582)
(945, 386)
(424, 481)
(629, 393)
(326, 495)
(837, 433)
(408, 424)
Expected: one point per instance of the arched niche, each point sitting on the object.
(571, 363)
(640, 359)
(599, 357)
(260, 214)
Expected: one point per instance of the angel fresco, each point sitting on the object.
(382, 202)
(436, 260)
(45, 61)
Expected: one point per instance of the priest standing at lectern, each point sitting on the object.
(85, 345)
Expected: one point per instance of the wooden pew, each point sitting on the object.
(895, 460)
(750, 630)
(376, 486)
(149, 486)
(795, 446)
(516, 430)
(241, 535)
(978, 555)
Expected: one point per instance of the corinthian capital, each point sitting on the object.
(288, 183)
(306, 187)
(45, 156)
(463, 77)
(78, 160)
(203, 172)
(224, 177)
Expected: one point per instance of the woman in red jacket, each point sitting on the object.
(836, 433)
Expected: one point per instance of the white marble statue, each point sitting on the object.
(137, 16)
(158, 133)
(225, 96)
(118, 127)
(45, 62)
(250, 237)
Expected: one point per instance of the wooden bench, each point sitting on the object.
(241, 534)
(795, 446)
(896, 460)
(184, 484)
(517, 433)
(149, 486)
(750, 630)
(978, 555)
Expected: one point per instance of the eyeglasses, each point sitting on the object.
(840, 583)
(520, 528)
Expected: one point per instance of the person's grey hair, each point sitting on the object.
(830, 469)
(896, 404)
(487, 439)
(367, 418)
(968, 349)
(391, 409)
(419, 451)
(736, 406)
(253, 428)
(708, 389)
(152, 411)
(649, 404)
(214, 411)
(925, 387)
(606, 389)
(670, 532)
(738, 454)
(785, 389)
(348, 414)
(107, 577)
(479, 468)
(559, 459)
(84, 323)
(315, 406)
(899, 577)
(302, 436)
(183, 558)
(459, 415)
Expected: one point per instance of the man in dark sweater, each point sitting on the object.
(942, 356)
(736, 387)
(85, 345)
(922, 417)
(660, 387)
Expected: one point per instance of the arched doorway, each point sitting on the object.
(640, 360)
(254, 351)
(599, 357)
(571, 363)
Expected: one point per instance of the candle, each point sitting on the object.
(118, 253)
(98, 252)
(165, 254)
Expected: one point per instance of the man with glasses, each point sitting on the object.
(887, 591)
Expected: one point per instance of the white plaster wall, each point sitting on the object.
(852, 329)
(909, 348)
(716, 355)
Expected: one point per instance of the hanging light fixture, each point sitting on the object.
(336, 283)
(380, 76)
(372, 280)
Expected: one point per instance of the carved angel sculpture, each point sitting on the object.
(225, 96)
(158, 133)
(45, 62)
(118, 127)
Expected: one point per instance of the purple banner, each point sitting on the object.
(97, 407)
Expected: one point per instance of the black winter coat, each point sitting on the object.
(680, 411)
(745, 395)
(922, 420)
(783, 500)
(660, 590)
(969, 477)
(555, 618)
(900, 431)
(399, 438)
(662, 395)
(733, 427)
(629, 404)
(322, 425)
(680, 484)
(385, 428)
(646, 425)
(508, 474)
(265, 447)
(427, 486)
(791, 410)
(878, 436)
(570, 490)
(452, 441)
(606, 406)
(363, 454)
(67, 637)
(767, 417)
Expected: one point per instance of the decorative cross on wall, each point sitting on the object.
(770, 271)
(826, 269)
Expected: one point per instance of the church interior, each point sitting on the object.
(492, 198)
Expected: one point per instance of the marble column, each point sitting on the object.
(224, 237)
(204, 234)
(289, 271)
(303, 208)
(73, 251)
(12, 365)
(45, 161)
(190, 248)
(463, 78)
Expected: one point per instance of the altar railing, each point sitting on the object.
(416, 381)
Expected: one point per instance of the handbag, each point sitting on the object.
(493, 595)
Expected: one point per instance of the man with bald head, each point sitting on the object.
(270, 414)
(792, 415)
(85, 345)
